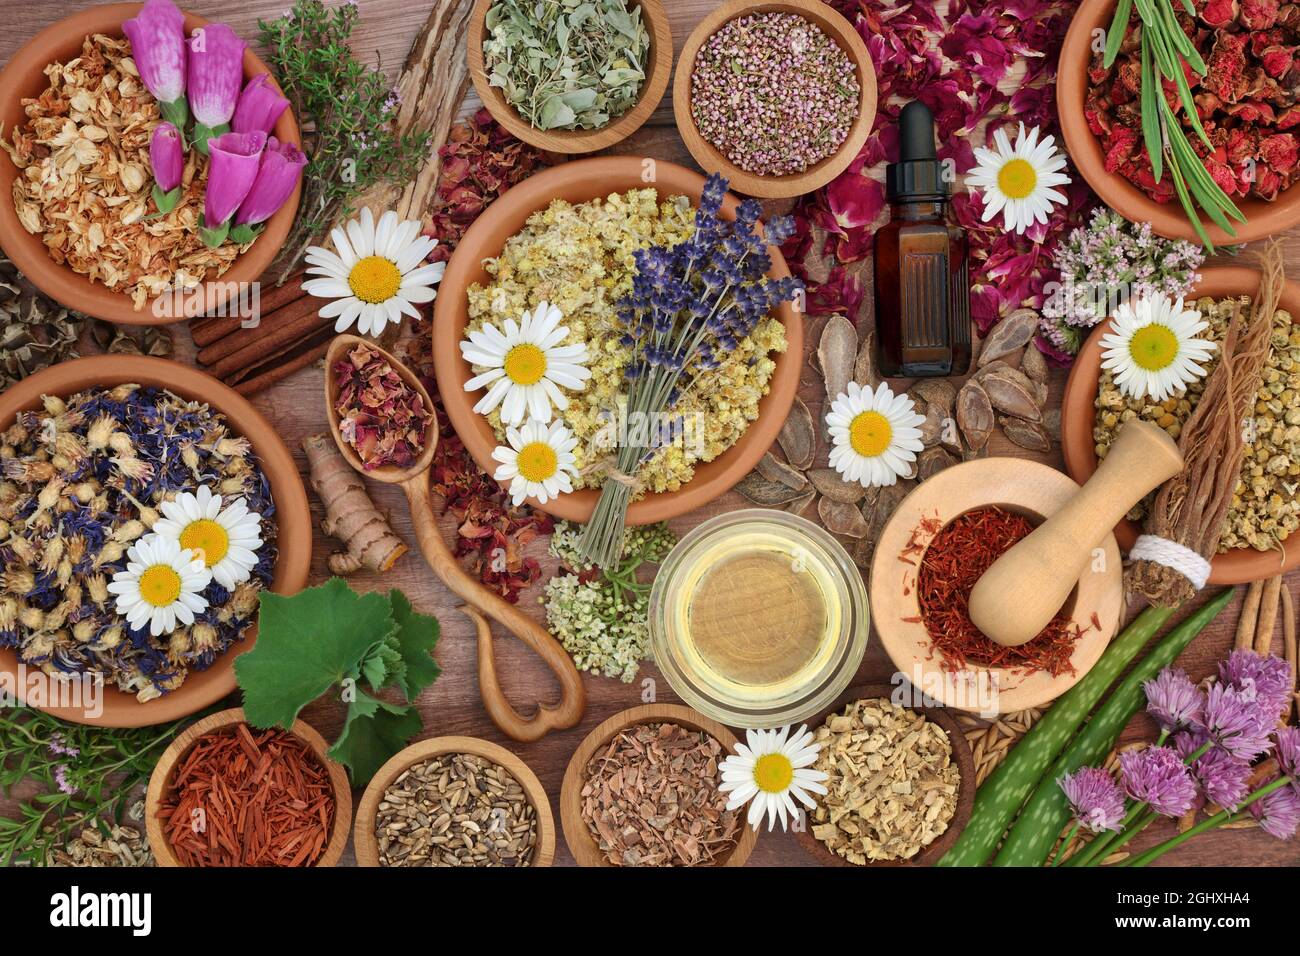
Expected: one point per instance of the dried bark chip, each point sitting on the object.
(761, 491)
(864, 369)
(828, 482)
(932, 427)
(837, 352)
(773, 469)
(1009, 336)
(1012, 392)
(799, 505)
(1052, 423)
(839, 517)
(936, 391)
(974, 415)
(798, 436)
(932, 461)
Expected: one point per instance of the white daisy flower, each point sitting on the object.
(769, 772)
(1018, 181)
(377, 274)
(225, 539)
(1154, 350)
(162, 585)
(526, 365)
(537, 460)
(875, 435)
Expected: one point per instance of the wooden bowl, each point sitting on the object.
(24, 77)
(293, 518)
(366, 844)
(1167, 219)
(577, 836)
(658, 69)
(961, 756)
(1028, 487)
(160, 782)
(839, 30)
(580, 181)
(1079, 414)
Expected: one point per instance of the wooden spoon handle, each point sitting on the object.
(573, 697)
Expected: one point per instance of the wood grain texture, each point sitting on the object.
(451, 705)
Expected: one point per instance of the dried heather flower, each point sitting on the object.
(1095, 799)
(1173, 700)
(1158, 777)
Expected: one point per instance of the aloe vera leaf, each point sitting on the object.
(1150, 113)
(1040, 822)
(1115, 35)
(1005, 790)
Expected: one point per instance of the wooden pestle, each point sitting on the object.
(1024, 589)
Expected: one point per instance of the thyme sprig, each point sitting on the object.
(348, 115)
(86, 774)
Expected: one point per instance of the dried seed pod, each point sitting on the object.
(1034, 364)
(1052, 423)
(836, 355)
(936, 391)
(864, 370)
(761, 491)
(1009, 336)
(1026, 434)
(798, 436)
(932, 427)
(932, 461)
(827, 481)
(838, 517)
(773, 469)
(974, 415)
(1012, 392)
(157, 342)
(799, 505)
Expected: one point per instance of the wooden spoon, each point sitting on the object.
(415, 482)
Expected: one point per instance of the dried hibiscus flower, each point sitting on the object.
(380, 416)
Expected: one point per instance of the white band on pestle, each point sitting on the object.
(1171, 554)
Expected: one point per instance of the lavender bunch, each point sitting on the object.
(1217, 735)
(1107, 262)
(690, 305)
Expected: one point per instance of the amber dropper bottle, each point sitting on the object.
(921, 279)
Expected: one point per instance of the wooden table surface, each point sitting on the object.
(451, 705)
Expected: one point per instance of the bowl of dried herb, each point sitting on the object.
(592, 74)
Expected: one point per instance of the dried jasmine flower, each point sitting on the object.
(35, 331)
(380, 416)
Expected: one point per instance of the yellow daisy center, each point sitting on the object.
(1017, 179)
(160, 585)
(374, 279)
(538, 461)
(1154, 347)
(525, 364)
(773, 773)
(207, 539)
(870, 434)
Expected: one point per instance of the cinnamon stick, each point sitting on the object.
(301, 319)
(271, 323)
(257, 383)
(205, 331)
(281, 363)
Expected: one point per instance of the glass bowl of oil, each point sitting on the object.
(758, 618)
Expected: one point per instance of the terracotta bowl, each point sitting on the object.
(24, 77)
(363, 835)
(293, 519)
(658, 69)
(961, 756)
(580, 181)
(160, 783)
(1079, 414)
(1032, 489)
(1167, 219)
(819, 174)
(577, 836)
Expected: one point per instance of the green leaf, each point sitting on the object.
(1190, 209)
(374, 732)
(1115, 35)
(417, 635)
(556, 113)
(1150, 115)
(305, 644)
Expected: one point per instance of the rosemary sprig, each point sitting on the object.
(1165, 48)
(85, 773)
(348, 115)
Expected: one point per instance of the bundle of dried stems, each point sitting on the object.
(1190, 507)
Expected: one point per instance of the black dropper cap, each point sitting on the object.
(918, 174)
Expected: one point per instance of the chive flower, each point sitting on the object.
(1095, 799)
(1236, 720)
(1259, 677)
(1173, 700)
(1223, 779)
(1158, 777)
(1278, 813)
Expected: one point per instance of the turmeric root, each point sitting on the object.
(350, 515)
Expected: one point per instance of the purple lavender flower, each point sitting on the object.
(56, 745)
(1264, 678)
(216, 65)
(1239, 725)
(1173, 700)
(1223, 778)
(1278, 813)
(236, 158)
(61, 778)
(1095, 798)
(157, 35)
(259, 106)
(1158, 777)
